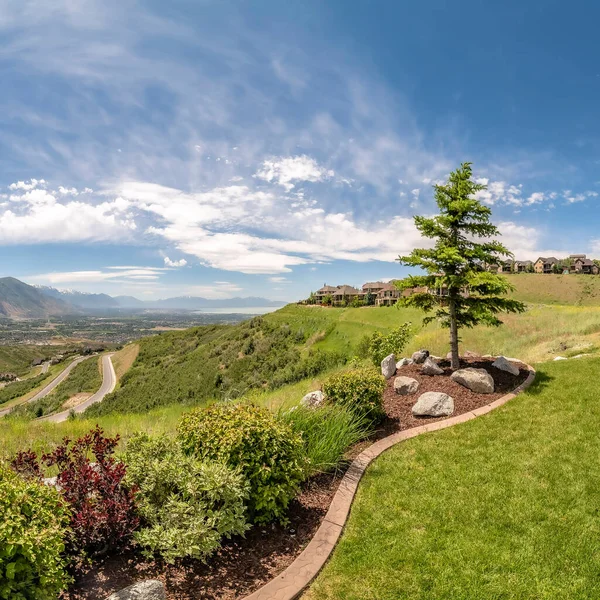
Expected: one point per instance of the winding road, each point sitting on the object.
(47, 389)
(109, 381)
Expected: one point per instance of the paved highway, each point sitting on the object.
(56, 381)
(109, 381)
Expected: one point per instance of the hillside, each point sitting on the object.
(574, 290)
(18, 359)
(298, 342)
(19, 300)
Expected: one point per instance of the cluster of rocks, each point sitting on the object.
(439, 404)
(8, 377)
(430, 404)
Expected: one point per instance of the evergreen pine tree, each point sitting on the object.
(458, 289)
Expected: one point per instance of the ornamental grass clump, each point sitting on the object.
(33, 529)
(250, 439)
(327, 432)
(360, 390)
(187, 505)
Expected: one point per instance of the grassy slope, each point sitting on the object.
(124, 359)
(575, 290)
(18, 359)
(505, 506)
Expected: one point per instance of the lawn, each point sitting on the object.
(502, 507)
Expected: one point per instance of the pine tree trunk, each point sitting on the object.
(454, 360)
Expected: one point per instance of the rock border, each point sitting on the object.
(293, 581)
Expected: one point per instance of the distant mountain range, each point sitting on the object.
(20, 300)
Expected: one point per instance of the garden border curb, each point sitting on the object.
(293, 581)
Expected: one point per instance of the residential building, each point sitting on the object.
(388, 295)
(545, 265)
(373, 287)
(581, 264)
(346, 293)
(326, 290)
(522, 266)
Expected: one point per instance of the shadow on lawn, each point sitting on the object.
(542, 380)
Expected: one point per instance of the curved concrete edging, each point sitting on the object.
(289, 584)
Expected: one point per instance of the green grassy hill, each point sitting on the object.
(299, 342)
(575, 290)
(17, 359)
(228, 361)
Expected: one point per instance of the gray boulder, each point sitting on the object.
(503, 364)
(430, 368)
(403, 386)
(151, 589)
(433, 404)
(420, 356)
(404, 362)
(313, 399)
(477, 380)
(388, 366)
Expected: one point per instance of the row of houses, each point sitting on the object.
(575, 263)
(383, 294)
(378, 292)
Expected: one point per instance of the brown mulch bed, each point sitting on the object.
(245, 564)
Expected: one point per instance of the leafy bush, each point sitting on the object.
(394, 342)
(360, 390)
(249, 438)
(103, 512)
(187, 505)
(327, 432)
(33, 527)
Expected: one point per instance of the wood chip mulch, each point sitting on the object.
(245, 564)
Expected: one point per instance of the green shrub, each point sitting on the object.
(327, 432)
(360, 390)
(187, 505)
(394, 342)
(251, 439)
(33, 528)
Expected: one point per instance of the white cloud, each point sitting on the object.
(286, 170)
(175, 263)
(499, 192)
(31, 184)
(235, 228)
(278, 279)
(536, 198)
(68, 191)
(115, 275)
(574, 198)
(38, 216)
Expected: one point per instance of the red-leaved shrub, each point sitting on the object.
(103, 511)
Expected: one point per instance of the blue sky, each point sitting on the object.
(225, 148)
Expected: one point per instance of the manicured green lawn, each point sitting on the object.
(504, 507)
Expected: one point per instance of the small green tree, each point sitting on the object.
(369, 299)
(466, 296)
